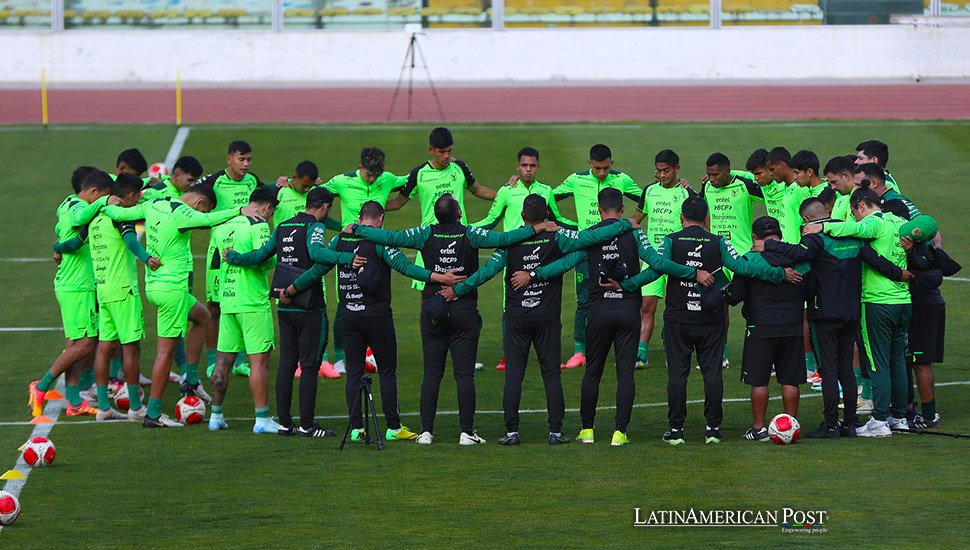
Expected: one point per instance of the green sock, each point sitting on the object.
(191, 373)
(87, 378)
(724, 354)
(642, 351)
(866, 389)
(580, 346)
(103, 402)
(210, 355)
(240, 359)
(217, 409)
(262, 412)
(46, 381)
(115, 367)
(154, 408)
(74, 395)
(929, 409)
(180, 360)
(810, 362)
(134, 397)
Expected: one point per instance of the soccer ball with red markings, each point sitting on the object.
(157, 170)
(784, 429)
(190, 409)
(39, 452)
(9, 508)
(122, 400)
(113, 386)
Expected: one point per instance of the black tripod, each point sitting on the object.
(365, 397)
(409, 64)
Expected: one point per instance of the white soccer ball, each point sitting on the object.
(190, 409)
(9, 508)
(784, 429)
(39, 452)
(157, 170)
(121, 397)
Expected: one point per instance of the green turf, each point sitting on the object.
(118, 485)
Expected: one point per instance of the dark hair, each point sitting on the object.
(126, 184)
(810, 203)
(765, 227)
(719, 160)
(189, 165)
(446, 209)
(133, 159)
(205, 191)
(610, 200)
(668, 157)
(851, 158)
(440, 138)
(307, 169)
(99, 180)
(372, 159)
(527, 152)
(897, 207)
(371, 209)
(319, 196)
(599, 153)
(239, 146)
(778, 154)
(838, 165)
(78, 176)
(863, 195)
(758, 159)
(694, 209)
(263, 195)
(875, 148)
(534, 208)
(827, 196)
(869, 171)
(804, 160)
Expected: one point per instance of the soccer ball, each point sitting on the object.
(9, 508)
(190, 409)
(157, 170)
(39, 452)
(121, 397)
(113, 387)
(784, 429)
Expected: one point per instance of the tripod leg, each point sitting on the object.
(408, 60)
(377, 428)
(434, 92)
(350, 422)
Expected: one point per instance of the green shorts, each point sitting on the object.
(121, 320)
(173, 311)
(213, 280)
(655, 288)
(79, 313)
(418, 261)
(246, 332)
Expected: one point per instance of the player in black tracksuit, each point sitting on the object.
(695, 323)
(533, 309)
(774, 335)
(449, 246)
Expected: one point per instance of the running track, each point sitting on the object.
(493, 104)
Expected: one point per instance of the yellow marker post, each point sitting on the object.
(178, 98)
(43, 96)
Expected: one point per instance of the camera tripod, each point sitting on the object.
(365, 397)
(414, 48)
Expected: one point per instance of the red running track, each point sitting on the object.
(493, 104)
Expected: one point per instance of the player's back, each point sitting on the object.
(115, 271)
(166, 241)
(75, 271)
(244, 288)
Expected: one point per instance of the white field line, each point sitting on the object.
(176, 149)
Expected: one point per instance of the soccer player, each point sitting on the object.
(130, 161)
(828, 198)
(804, 166)
(660, 204)
(453, 326)
(876, 151)
(292, 191)
(773, 191)
(185, 173)
(692, 322)
(533, 308)
(232, 186)
(840, 175)
(74, 290)
(114, 248)
(168, 224)
(584, 187)
(886, 311)
(872, 175)
(777, 161)
(247, 325)
(297, 244)
(773, 338)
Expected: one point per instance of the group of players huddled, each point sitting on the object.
(839, 285)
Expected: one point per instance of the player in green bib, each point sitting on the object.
(370, 182)
(247, 317)
(840, 175)
(584, 188)
(660, 203)
(114, 248)
(130, 161)
(185, 173)
(876, 151)
(773, 191)
(74, 290)
(805, 167)
(292, 190)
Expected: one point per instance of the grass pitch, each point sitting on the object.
(117, 485)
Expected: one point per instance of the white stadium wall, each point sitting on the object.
(260, 58)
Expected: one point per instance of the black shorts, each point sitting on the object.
(926, 330)
(787, 354)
